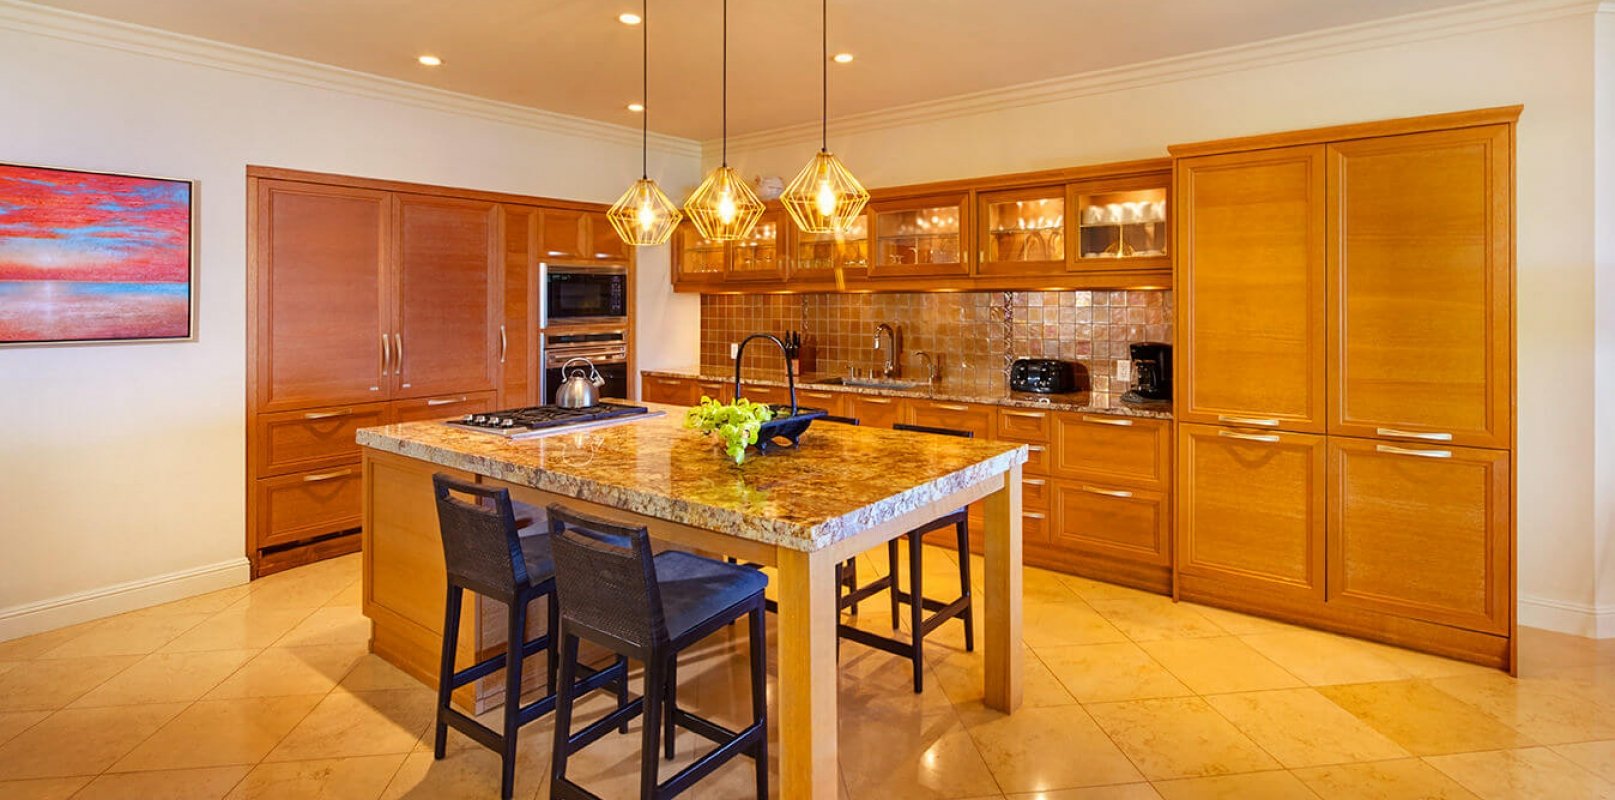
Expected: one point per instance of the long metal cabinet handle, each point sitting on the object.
(1123, 423)
(1403, 451)
(327, 414)
(443, 401)
(951, 407)
(325, 476)
(1432, 436)
(1031, 515)
(1249, 437)
(1028, 414)
(504, 344)
(398, 345)
(884, 401)
(386, 355)
(1107, 492)
(1265, 422)
(1033, 481)
(543, 295)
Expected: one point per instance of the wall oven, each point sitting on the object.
(607, 350)
(589, 294)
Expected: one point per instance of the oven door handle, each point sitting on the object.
(543, 295)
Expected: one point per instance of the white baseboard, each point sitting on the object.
(1574, 618)
(58, 612)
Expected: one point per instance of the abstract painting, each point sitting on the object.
(91, 256)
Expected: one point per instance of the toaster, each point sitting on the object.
(1042, 375)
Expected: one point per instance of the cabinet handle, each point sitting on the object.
(1403, 451)
(443, 401)
(1249, 437)
(386, 355)
(1031, 515)
(880, 401)
(327, 414)
(950, 407)
(326, 476)
(398, 345)
(1265, 422)
(1432, 436)
(669, 382)
(1033, 481)
(1107, 492)
(504, 344)
(1120, 423)
(1036, 448)
(1027, 414)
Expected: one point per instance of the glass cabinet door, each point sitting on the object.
(695, 257)
(760, 256)
(921, 236)
(1121, 225)
(1022, 231)
(831, 256)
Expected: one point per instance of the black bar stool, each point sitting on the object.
(484, 552)
(918, 603)
(614, 593)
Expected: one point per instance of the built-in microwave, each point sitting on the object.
(582, 294)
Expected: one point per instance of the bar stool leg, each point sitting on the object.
(563, 707)
(672, 702)
(916, 609)
(963, 527)
(553, 623)
(759, 696)
(445, 672)
(891, 575)
(655, 682)
(513, 695)
(622, 692)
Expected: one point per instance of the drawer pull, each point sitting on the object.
(1033, 481)
(443, 401)
(1264, 422)
(1249, 437)
(504, 344)
(1431, 437)
(1107, 492)
(326, 476)
(950, 407)
(328, 414)
(1036, 448)
(1403, 451)
(667, 382)
(1124, 423)
(1031, 515)
(882, 401)
(1027, 414)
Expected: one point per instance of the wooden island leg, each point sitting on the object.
(1003, 583)
(807, 676)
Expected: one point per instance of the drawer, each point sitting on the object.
(1037, 460)
(1024, 425)
(878, 412)
(717, 390)
(771, 395)
(1035, 526)
(833, 402)
(954, 416)
(304, 505)
(1035, 493)
(1118, 522)
(1104, 448)
(672, 391)
(444, 407)
(301, 440)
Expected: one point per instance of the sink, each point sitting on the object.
(872, 383)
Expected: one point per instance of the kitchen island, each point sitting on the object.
(843, 491)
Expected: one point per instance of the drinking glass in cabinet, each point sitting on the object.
(758, 252)
(1123, 224)
(699, 255)
(919, 236)
(1026, 229)
(848, 249)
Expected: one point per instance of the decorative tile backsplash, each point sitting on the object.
(977, 333)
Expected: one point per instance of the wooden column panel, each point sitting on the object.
(518, 348)
(448, 307)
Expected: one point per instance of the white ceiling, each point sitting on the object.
(574, 57)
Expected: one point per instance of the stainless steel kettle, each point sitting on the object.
(579, 389)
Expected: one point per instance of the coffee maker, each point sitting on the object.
(1152, 372)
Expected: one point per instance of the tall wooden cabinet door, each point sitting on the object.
(1250, 281)
(320, 266)
(446, 338)
(1421, 281)
(1421, 532)
(1251, 512)
(562, 233)
(518, 327)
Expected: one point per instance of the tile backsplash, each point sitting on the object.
(977, 333)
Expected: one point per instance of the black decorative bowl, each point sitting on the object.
(786, 425)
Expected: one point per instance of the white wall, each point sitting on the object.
(1604, 227)
(1535, 52)
(125, 464)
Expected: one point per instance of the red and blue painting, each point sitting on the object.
(93, 257)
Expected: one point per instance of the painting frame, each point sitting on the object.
(192, 255)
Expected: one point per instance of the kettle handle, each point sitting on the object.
(593, 373)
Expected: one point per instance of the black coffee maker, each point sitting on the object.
(1152, 372)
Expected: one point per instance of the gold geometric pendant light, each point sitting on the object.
(724, 208)
(824, 197)
(644, 216)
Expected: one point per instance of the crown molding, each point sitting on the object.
(127, 37)
(1391, 31)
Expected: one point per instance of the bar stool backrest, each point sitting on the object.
(481, 548)
(903, 426)
(605, 582)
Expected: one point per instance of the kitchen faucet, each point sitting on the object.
(889, 369)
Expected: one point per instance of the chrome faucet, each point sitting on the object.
(888, 369)
(933, 370)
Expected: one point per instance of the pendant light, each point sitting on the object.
(824, 197)
(644, 216)
(724, 207)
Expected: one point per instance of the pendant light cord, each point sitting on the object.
(644, 89)
(824, 69)
(726, 83)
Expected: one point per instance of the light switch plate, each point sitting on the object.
(734, 350)
(1124, 370)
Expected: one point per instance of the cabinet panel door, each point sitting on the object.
(879, 412)
(697, 259)
(518, 363)
(1102, 447)
(1251, 510)
(1420, 532)
(1421, 279)
(673, 391)
(304, 505)
(445, 407)
(561, 233)
(1250, 284)
(770, 395)
(978, 420)
(303, 440)
(761, 256)
(320, 267)
(1115, 521)
(832, 402)
(920, 237)
(604, 243)
(447, 306)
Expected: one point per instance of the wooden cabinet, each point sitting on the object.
(761, 255)
(1113, 521)
(697, 259)
(1421, 532)
(1420, 280)
(446, 297)
(879, 412)
(769, 395)
(1251, 514)
(289, 441)
(1024, 425)
(978, 420)
(1120, 224)
(604, 243)
(563, 234)
(832, 402)
(717, 390)
(918, 237)
(673, 391)
(829, 259)
(305, 505)
(444, 407)
(1250, 281)
(518, 326)
(1131, 450)
(1021, 231)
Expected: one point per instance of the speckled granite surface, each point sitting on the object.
(841, 480)
(1082, 402)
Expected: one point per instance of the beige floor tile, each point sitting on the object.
(911, 756)
(1250, 786)
(371, 673)
(1322, 658)
(329, 625)
(360, 724)
(1179, 737)
(292, 590)
(351, 596)
(1424, 719)
(49, 685)
(240, 628)
(291, 671)
(1403, 779)
(216, 733)
(1126, 791)
(1031, 750)
(127, 636)
(42, 788)
(1597, 757)
(1100, 673)
(1531, 772)
(471, 773)
(210, 603)
(361, 778)
(1540, 709)
(166, 678)
(7, 666)
(1045, 624)
(1301, 728)
(1153, 618)
(81, 741)
(15, 722)
(1424, 665)
(29, 647)
(1540, 648)
(181, 784)
(1219, 664)
(1240, 624)
(962, 678)
(1090, 589)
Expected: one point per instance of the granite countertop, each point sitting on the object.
(841, 480)
(1082, 402)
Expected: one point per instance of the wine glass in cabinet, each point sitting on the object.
(831, 257)
(925, 236)
(1021, 231)
(1121, 224)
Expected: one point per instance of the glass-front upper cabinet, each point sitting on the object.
(831, 257)
(1021, 231)
(1121, 224)
(761, 256)
(921, 237)
(697, 259)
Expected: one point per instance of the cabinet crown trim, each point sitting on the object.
(1361, 130)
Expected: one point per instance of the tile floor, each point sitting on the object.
(266, 691)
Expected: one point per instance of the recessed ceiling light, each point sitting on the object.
(843, 58)
(629, 19)
(636, 107)
(430, 61)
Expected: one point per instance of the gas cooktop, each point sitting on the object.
(518, 423)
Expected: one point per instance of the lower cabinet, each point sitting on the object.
(444, 407)
(1113, 522)
(291, 508)
(672, 391)
(834, 403)
(879, 412)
